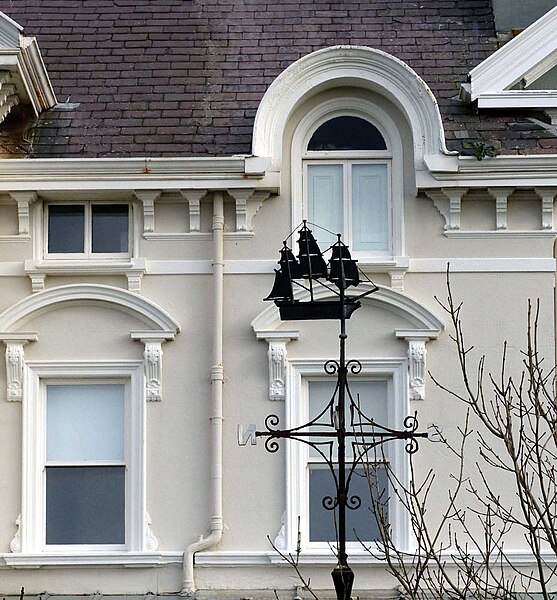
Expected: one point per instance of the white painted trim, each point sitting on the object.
(384, 297)
(392, 157)
(326, 558)
(197, 236)
(500, 233)
(395, 371)
(112, 174)
(36, 373)
(483, 265)
(121, 299)
(94, 559)
(535, 47)
(339, 66)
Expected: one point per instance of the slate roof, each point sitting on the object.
(184, 77)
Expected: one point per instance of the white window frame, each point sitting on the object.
(33, 514)
(393, 155)
(395, 371)
(347, 159)
(88, 253)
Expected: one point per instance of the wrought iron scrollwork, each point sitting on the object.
(331, 367)
(329, 503)
(353, 502)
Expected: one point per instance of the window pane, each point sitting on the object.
(85, 505)
(110, 227)
(347, 133)
(326, 201)
(85, 422)
(361, 524)
(66, 228)
(370, 396)
(370, 208)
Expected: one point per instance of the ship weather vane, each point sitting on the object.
(341, 433)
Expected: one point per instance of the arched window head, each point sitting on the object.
(347, 133)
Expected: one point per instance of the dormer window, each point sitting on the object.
(347, 174)
(88, 229)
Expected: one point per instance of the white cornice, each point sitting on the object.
(527, 56)
(136, 173)
(515, 171)
(21, 57)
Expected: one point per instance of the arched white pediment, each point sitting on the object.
(396, 302)
(120, 299)
(357, 66)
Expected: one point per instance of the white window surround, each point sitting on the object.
(392, 369)
(357, 66)
(363, 109)
(31, 537)
(43, 265)
(526, 57)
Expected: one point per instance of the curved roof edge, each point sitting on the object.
(359, 66)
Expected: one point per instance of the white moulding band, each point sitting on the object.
(152, 359)
(417, 353)
(15, 361)
(276, 354)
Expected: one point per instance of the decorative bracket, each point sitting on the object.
(248, 202)
(501, 196)
(15, 361)
(148, 198)
(193, 198)
(152, 357)
(277, 341)
(24, 201)
(547, 196)
(448, 202)
(417, 339)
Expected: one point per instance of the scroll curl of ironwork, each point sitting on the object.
(331, 367)
(411, 423)
(411, 445)
(329, 503)
(353, 502)
(271, 422)
(354, 366)
(272, 445)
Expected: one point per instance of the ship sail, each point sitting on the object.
(282, 288)
(312, 263)
(288, 263)
(343, 271)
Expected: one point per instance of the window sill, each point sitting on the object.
(18, 560)
(132, 268)
(314, 557)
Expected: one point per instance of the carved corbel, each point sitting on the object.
(24, 201)
(448, 202)
(417, 354)
(152, 357)
(148, 198)
(501, 196)
(193, 198)
(547, 196)
(15, 361)
(248, 202)
(276, 354)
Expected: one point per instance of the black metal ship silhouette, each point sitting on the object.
(311, 268)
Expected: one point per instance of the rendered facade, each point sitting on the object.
(154, 157)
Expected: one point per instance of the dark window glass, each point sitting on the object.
(66, 228)
(85, 505)
(347, 133)
(361, 523)
(110, 227)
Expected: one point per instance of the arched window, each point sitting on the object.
(343, 152)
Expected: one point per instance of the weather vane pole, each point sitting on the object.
(363, 433)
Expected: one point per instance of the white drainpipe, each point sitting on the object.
(217, 381)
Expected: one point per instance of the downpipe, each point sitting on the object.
(216, 418)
